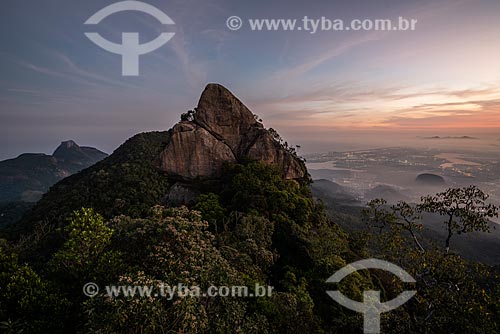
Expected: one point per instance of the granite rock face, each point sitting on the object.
(193, 151)
(221, 130)
(223, 115)
(268, 150)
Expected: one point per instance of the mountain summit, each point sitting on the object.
(70, 153)
(28, 176)
(223, 130)
(168, 167)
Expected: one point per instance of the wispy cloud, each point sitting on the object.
(293, 73)
(71, 68)
(194, 71)
(361, 105)
(69, 72)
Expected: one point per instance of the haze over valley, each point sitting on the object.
(361, 172)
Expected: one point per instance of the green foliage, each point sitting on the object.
(12, 212)
(248, 246)
(260, 187)
(465, 210)
(28, 304)
(275, 229)
(127, 182)
(179, 249)
(292, 310)
(260, 228)
(251, 226)
(211, 209)
(448, 286)
(85, 256)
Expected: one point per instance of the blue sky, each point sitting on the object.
(316, 89)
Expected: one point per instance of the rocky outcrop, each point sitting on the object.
(180, 194)
(222, 114)
(193, 151)
(266, 149)
(223, 129)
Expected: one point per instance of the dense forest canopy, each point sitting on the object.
(251, 226)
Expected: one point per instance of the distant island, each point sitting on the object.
(451, 137)
(430, 179)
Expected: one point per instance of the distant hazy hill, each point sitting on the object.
(326, 189)
(428, 179)
(75, 157)
(28, 176)
(386, 192)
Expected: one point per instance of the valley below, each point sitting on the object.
(362, 171)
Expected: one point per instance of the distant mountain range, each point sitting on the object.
(325, 189)
(30, 175)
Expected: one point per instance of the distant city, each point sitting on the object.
(398, 167)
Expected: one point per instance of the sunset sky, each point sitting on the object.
(318, 89)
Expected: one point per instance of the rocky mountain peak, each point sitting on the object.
(68, 144)
(222, 114)
(39, 171)
(222, 129)
(65, 146)
(70, 152)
